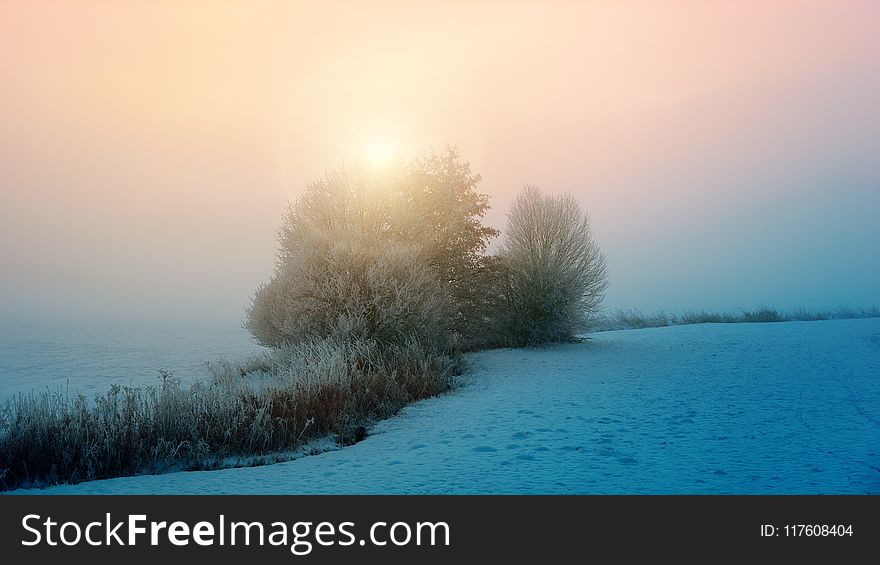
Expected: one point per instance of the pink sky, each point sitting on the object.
(727, 151)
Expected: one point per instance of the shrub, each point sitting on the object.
(381, 255)
(356, 289)
(553, 273)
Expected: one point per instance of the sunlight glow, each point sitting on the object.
(378, 153)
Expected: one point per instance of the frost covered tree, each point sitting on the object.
(354, 289)
(553, 273)
(381, 254)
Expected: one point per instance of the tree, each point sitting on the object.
(377, 254)
(553, 275)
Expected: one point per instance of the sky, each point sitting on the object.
(727, 152)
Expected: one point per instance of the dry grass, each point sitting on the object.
(628, 320)
(633, 319)
(269, 405)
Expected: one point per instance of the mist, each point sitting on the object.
(727, 154)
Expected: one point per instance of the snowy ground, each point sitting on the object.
(88, 357)
(728, 408)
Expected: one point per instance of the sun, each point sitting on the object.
(378, 153)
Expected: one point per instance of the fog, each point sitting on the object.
(727, 152)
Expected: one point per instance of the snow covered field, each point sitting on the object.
(88, 357)
(729, 408)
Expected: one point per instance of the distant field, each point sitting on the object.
(90, 357)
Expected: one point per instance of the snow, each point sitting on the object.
(716, 408)
(88, 356)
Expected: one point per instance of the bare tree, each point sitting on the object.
(554, 274)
